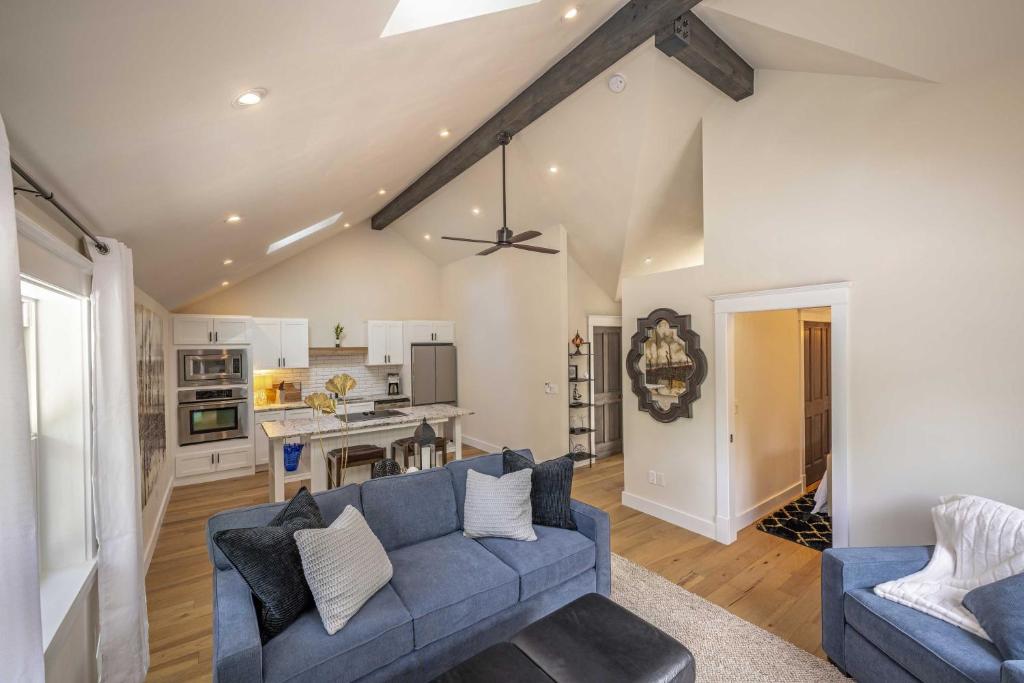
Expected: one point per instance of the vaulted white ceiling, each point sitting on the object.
(124, 108)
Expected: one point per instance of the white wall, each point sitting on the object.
(767, 417)
(510, 313)
(585, 298)
(359, 275)
(911, 191)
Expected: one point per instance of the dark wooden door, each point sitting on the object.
(817, 398)
(607, 345)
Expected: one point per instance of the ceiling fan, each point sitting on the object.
(505, 237)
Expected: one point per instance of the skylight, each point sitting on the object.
(413, 15)
(305, 232)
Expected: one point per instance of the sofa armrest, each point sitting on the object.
(844, 569)
(1012, 671)
(594, 524)
(237, 650)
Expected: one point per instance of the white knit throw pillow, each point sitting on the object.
(345, 565)
(499, 506)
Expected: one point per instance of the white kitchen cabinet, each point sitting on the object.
(212, 462)
(429, 332)
(196, 330)
(230, 331)
(234, 458)
(280, 343)
(295, 343)
(384, 341)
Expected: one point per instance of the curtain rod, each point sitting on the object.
(48, 196)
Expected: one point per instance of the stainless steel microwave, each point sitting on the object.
(212, 415)
(202, 367)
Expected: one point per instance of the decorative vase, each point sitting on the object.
(292, 451)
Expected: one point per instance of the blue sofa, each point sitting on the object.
(450, 596)
(874, 639)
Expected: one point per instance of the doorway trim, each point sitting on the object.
(836, 295)
(592, 322)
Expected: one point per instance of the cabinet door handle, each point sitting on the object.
(216, 336)
(218, 458)
(284, 362)
(209, 336)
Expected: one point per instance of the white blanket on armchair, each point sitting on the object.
(978, 541)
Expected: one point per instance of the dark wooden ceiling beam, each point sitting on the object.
(613, 40)
(689, 40)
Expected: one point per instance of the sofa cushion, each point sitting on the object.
(375, 636)
(551, 490)
(331, 503)
(410, 508)
(450, 583)
(485, 464)
(499, 506)
(555, 557)
(929, 648)
(999, 608)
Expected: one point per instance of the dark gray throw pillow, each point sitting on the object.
(552, 487)
(999, 608)
(269, 561)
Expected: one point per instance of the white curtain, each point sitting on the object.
(124, 640)
(21, 643)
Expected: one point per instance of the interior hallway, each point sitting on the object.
(768, 581)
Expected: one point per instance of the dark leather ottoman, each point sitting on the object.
(590, 640)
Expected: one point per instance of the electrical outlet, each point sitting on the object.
(652, 477)
(661, 479)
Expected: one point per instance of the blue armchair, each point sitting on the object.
(874, 639)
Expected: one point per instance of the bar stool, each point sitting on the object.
(357, 455)
(407, 447)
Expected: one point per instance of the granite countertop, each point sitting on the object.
(332, 425)
(351, 399)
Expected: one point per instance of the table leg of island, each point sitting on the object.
(453, 432)
(276, 470)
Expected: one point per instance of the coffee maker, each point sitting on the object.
(393, 384)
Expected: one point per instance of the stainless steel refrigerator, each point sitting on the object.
(434, 374)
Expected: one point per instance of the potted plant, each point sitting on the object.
(338, 331)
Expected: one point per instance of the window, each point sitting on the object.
(56, 334)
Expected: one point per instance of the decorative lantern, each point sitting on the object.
(577, 341)
(426, 444)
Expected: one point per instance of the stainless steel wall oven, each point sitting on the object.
(212, 415)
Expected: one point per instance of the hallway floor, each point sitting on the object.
(768, 581)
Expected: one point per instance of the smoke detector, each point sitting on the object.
(616, 83)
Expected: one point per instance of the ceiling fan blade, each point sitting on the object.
(541, 250)
(466, 239)
(523, 236)
(491, 250)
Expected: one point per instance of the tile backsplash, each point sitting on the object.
(370, 379)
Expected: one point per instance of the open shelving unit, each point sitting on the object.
(581, 398)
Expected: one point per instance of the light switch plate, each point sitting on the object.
(550, 388)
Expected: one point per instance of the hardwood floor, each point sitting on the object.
(768, 581)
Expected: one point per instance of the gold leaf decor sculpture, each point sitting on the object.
(341, 385)
(321, 403)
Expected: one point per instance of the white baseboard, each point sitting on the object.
(151, 546)
(698, 525)
(481, 444)
(769, 504)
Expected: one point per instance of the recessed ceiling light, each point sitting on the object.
(571, 13)
(250, 97)
(305, 232)
(552, 169)
(225, 283)
(648, 260)
(476, 210)
(382, 191)
(233, 218)
(228, 262)
(347, 225)
(426, 237)
(444, 132)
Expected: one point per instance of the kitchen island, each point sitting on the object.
(380, 431)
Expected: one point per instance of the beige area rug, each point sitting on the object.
(726, 648)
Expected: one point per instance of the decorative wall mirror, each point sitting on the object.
(666, 365)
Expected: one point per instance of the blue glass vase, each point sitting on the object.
(292, 451)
